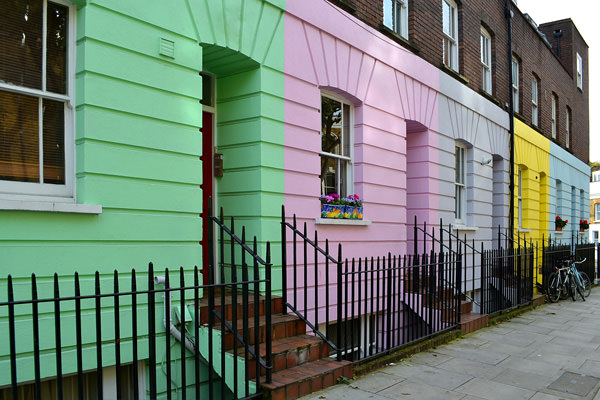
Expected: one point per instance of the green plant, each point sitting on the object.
(559, 222)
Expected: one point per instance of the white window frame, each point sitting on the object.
(553, 117)
(534, 102)
(567, 128)
(395, 16)
(597, 212)
(515, 84)
(486, 60)
(450, 33)
(40, 192)
(460, 183)
(520, 198)
(348, 159)
(559, 195)
(579, 71)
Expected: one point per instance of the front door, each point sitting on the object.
(207, 187)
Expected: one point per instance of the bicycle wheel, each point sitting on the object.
(553, 290)
(563, 287)
(587, 284)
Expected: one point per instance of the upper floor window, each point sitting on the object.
(568, 128)
(553, 117)
(534, 101)
(336, 146)
(395, 16)
(515, 84)
(596, 176)
(579, 71)
(486, 61)
(36, 100)
(460, 183)
(597, 212)
(450, 29)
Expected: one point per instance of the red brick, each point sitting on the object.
(556, 75)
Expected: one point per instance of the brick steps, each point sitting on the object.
(282, 326)
(301, 362)
(471, 322)
(289, 352)
(305, 379)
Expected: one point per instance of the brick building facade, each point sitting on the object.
(535, 47)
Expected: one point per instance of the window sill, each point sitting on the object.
(455, 74)
(523, 230)
(335, 221)
(404, 42)
(50, 207)
(464, 228)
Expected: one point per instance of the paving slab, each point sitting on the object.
(486, 388)
(550, 353)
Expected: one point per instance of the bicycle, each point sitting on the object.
(568, 281)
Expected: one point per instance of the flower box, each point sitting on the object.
(352, 212)
(332, 211)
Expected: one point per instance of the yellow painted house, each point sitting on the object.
(532, 187)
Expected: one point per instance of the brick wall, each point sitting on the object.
(536, 57)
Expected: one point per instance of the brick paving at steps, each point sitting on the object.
(550, 353)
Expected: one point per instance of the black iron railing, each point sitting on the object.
(391, 301)
(506, 278)
(448, 241)
(363, 307)
(63, 338)
(60, 338)
(321, 262)
(231, 248)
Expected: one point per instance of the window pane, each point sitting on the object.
(56, 49)
(21, 42)
(328, 175)
(331, 125)
(446, 15)
(388, 14)
(19, 138)
(54, 144)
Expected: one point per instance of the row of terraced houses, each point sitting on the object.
(124, 123)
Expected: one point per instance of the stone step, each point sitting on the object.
(305, 379)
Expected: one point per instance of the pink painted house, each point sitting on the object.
(401, 126)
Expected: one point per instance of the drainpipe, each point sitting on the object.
(160, 280)
(511, 114)
(557, 34)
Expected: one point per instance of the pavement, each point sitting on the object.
(550, 353)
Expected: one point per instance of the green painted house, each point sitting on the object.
(109, 153)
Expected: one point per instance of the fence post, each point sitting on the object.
(151, 332)
(458, 286)
(268, 341)
(12, 338)
(339, 303)
(283, 261)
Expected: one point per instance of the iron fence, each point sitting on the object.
(506, 278)
(366, 306)
(63, 345)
